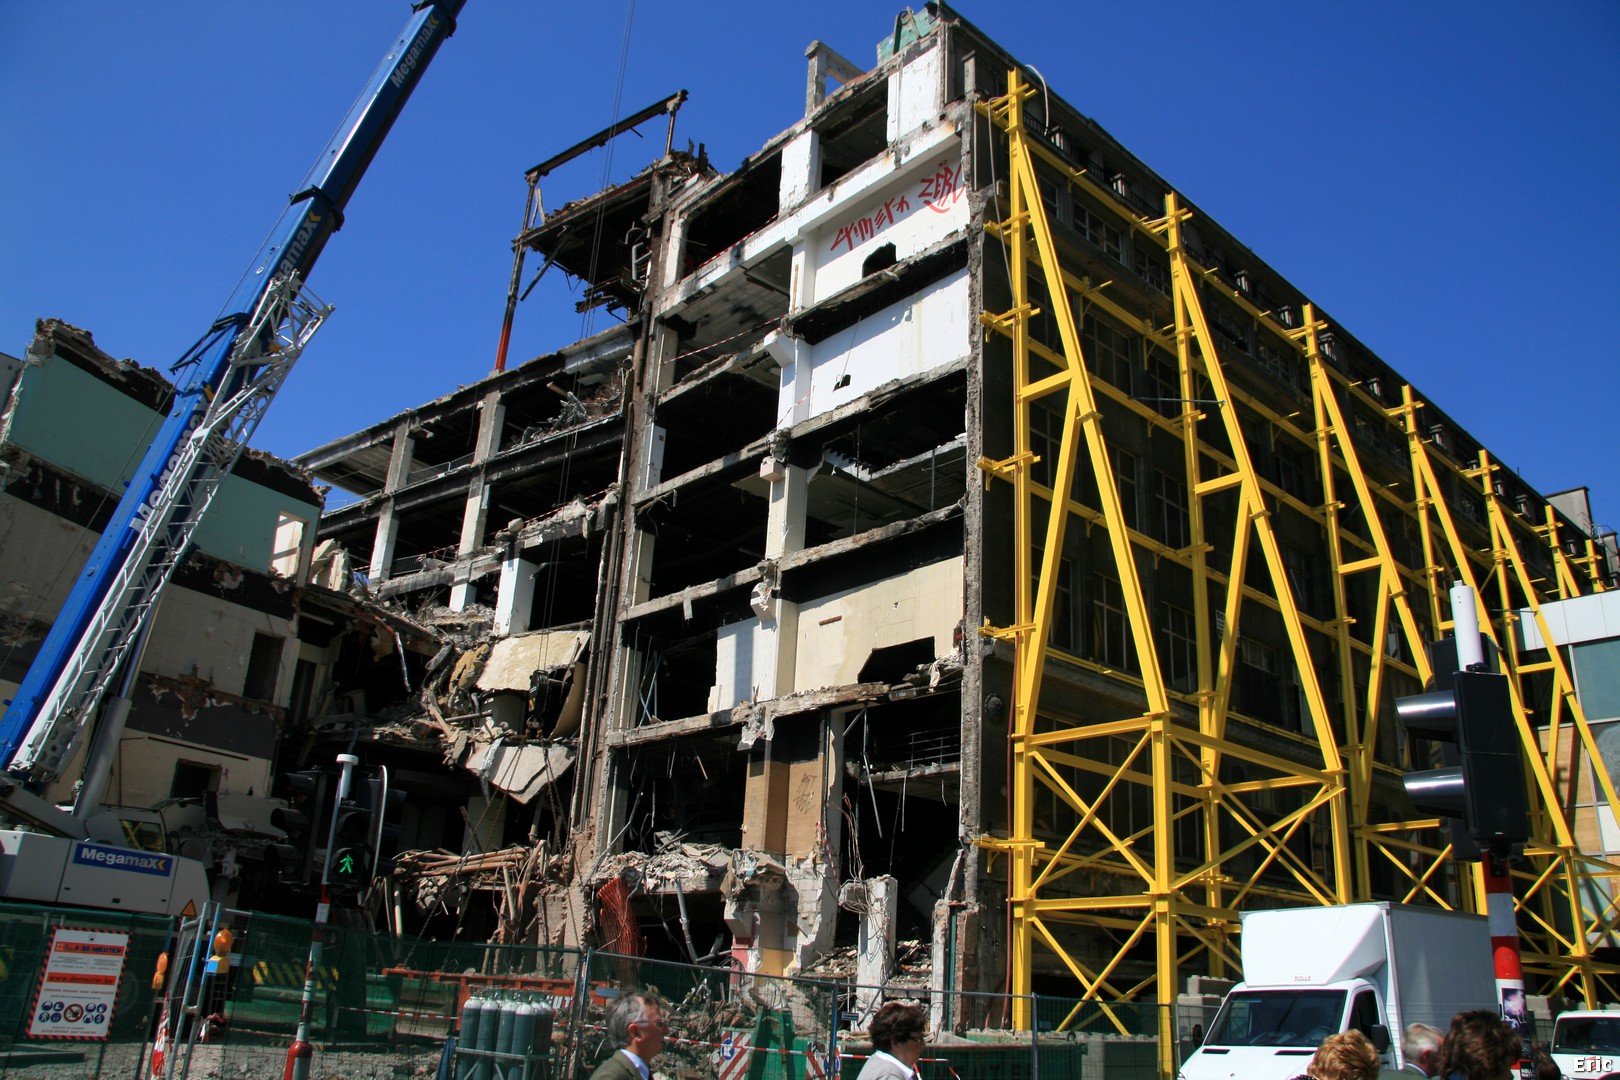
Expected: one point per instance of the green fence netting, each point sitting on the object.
(387, 1007)
(92, 1015)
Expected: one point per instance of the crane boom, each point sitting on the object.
(223, 386)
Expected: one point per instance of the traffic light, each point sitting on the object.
(388, 811)
(350, 869)
(1486, 787)
(305, 793)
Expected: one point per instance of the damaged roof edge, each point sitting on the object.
(599, 350)
(53, 337)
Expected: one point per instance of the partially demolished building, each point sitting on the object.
(962, 538)
(247, 644)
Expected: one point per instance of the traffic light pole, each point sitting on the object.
(298, 1054)
(1495, 865)
(1465, 629)
(1505, 943)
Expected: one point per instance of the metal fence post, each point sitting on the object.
(1034, 1035)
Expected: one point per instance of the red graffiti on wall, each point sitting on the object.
(943, 188)
(863, 229)
(938, 191)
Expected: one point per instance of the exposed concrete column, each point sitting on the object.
(515, 599)
(788, 804)
(792, 355)
(475, 514)
(776, 636)
(876, 901)
(486, 820)
(491, 422)
(399, 472)
(802, 289)
(649, 462)
(825, 62)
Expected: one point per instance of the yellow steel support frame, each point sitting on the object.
(1243, 805)
(1567, 900)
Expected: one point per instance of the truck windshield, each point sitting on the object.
(1277, 1018)
(1587, 1035)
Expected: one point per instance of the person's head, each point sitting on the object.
(1544, 1067)
(1348, 1055)
(636, 1023)
(1420, 1046)
(1480, 1046)
(899, 1029)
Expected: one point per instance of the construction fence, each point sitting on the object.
(77, 1000)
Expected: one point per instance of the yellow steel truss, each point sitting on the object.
(1231, 812)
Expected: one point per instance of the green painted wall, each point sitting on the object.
(240, 526)
(79, 423)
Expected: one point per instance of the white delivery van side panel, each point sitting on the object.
(1443, 965)
(1312, 946)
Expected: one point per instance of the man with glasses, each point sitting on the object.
(636, 1025)
(898, 1033)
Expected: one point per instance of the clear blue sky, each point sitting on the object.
(1439, 176)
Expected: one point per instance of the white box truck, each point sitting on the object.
(1311, 972)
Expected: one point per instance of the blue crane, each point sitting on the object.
(224, 384)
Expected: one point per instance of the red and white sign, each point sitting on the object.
(79, 986)
(735, 1055)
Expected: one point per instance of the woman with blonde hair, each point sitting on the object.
(1346, 1056)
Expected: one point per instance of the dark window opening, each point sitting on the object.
(890, 465)
(193, 780)
(748, 201)
(264, 668)
(748, 401)
(892, 663)
(717, 529)
(854, 131)
(881, 258)
(732, 320)
(685, 929)
(565, 580)
(535, 410)
(691, 788)
(303, 690)
(676, 677)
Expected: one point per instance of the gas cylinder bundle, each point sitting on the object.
(504, 1035)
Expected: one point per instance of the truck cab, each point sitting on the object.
(1264, 1032)
(1310, 972)
(1586, 1045)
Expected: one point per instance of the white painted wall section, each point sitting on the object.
(801, 168)
(753, 658)
(208, 637)
(1570, 622)
(914, 93)
(515, 597)
(927, 330)
(826, 208)
(838, 632)
(919, 209)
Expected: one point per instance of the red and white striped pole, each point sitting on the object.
(1504, 934)
(1505, 951)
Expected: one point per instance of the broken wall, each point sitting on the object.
(103, 442)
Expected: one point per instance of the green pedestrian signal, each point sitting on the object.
(351, 869)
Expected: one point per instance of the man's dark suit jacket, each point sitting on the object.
(617, 1067)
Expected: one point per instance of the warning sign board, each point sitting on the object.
(79, 985)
